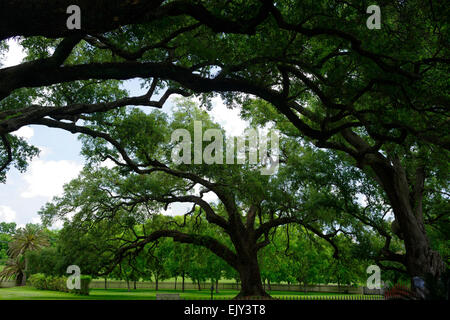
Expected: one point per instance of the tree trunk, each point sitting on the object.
(198, 282)
(182, 282)
(175, 283)
(19, 279)
(405, 196)
(251, 285)
(24, 279)
(128, 284)
(421, 261)
(406, 201)
(156, 282)
(250, 275)
(106, 285)
(134, 285)
(217, 285)
(420, 258)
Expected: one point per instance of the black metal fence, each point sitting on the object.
(116, 284)
(308, 298)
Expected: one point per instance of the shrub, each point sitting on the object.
(38, 280)
(43, 282)
(57, 283)
(84, 287)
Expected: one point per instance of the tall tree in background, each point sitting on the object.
(7, 230)
(27, 239)
(15, 269)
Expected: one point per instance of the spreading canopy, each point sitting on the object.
(380, 96)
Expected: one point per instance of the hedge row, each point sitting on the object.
(43, 282)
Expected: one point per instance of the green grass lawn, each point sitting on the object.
(29, 293)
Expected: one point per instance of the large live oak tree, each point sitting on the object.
(248, 206)
(381, 96)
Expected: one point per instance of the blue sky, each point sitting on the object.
(24, 194)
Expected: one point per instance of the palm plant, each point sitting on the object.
(15, 268)
(30, 238)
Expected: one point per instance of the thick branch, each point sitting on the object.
(210, 243)
(265, 227)
(211, 216)
(12, 77)
(12, 120)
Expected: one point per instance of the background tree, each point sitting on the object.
(27, 239)
(157, 259)
(14, 268)
(48, 261)
(178, 263)
(7, 230)
(198, 268)
(307, 256)
(249, 205)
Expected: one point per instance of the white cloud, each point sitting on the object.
(362, 199)
(108, 163)
(209, 197)
(36, 220)
(15, 54)
(46, 178)
(25, 132)
(58, 224)
(169, 211)
(7, 214)
(44, 151)
(229, 119)
(180, 208)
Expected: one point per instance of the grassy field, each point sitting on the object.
(29, 293)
